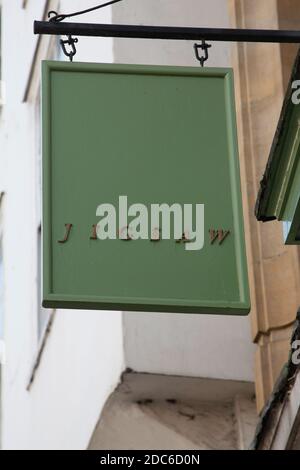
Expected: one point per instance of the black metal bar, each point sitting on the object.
(166, 32)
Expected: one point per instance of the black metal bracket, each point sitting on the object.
(54, 17)
(204, 46)
(56, 27)
(71, 42)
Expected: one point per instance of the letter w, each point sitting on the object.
(218, 234)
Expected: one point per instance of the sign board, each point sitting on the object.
(126, 135)
(279, 193)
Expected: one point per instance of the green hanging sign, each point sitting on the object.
(141, 193)
(279, 193)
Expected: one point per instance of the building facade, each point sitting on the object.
(81, 379)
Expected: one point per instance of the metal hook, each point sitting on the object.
(54, 17)
(204, 46)
(71, 42)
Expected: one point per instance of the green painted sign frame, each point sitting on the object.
(279, 193)
(196, 107)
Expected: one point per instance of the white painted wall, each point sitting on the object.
(205, 346)
(83, 357)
